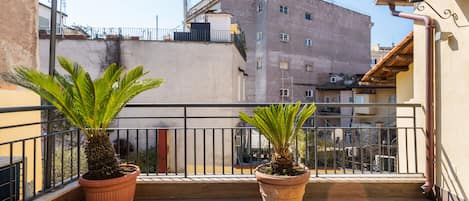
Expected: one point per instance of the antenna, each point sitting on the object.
(185, 14)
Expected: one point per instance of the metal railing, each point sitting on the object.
(154, 34)
(193, 140)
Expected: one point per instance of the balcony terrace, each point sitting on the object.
(204, 152)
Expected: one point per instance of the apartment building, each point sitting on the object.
(293, 45)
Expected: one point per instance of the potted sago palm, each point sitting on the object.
(281, 179)
(91, 106)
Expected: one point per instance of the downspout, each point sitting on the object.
(429, 117)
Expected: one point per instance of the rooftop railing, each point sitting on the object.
(209, 140)
(152, 34)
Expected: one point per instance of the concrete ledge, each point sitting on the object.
(70, 192)
(322, 188)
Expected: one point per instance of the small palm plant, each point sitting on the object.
(89, 105)
(280, 124)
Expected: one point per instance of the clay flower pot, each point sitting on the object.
(117, 189)
(282, 188)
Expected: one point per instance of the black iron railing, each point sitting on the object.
(153, 34)
(191, 140)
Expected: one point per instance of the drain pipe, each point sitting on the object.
(429, 117)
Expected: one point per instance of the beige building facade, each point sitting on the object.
(451, 92)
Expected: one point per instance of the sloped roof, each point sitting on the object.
(397, 60)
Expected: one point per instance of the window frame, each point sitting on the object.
(284, 37)
(308, 43)
(308, 16)
(284, 92)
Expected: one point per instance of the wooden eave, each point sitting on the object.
(397, 60)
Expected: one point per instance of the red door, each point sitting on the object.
(161, 150)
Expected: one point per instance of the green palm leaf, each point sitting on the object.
(280, 124)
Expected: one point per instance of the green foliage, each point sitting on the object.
(280, 124)
(90, 105)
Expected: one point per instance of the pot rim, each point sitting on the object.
(281, 179)
(113, 181)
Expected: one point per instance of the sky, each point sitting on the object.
(142, 13)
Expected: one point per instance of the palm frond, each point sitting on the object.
(280, 124)
(90, 105)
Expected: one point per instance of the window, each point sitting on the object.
(260, 6)
(392, 99)
(284, 65)
(308, 16)
(309, 93)
(350, 99)
(284, 9)
(284, 92)
(284, 37)
(259, 36)
(309, 67)
(327, 99)
(259, 63)
(308, 42)
(374, 61)
(359, 99)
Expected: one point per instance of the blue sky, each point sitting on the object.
(141, 13)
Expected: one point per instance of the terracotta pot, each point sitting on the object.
(117, 189)
(282, 188)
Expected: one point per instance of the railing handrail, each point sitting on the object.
(217, 105)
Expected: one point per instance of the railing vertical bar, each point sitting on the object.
(315, 135)
(53, 163)
(250, 150)
(307, 130)
(334, 157)
(379, 151)
(23, 159)
(352, 146)
(195, 151)
(12, 176)
(223, 151)
(326, 154)
(241, 153)
(147, 159)
(388, 143)
(232, 151)
(316, 168)
(157, 165)
(370, 145)
(127, 147)
(415, 153)
(136, 145)
(343, 151)
(185, 142)
(362, 162)
(205, 161)
(397, 168)
(78, 153)
(71, 154)
(407, 151)
(62, 157)
(415, 138)
(175, 151)
(166, 153)
(213, 151)
(34, 167)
